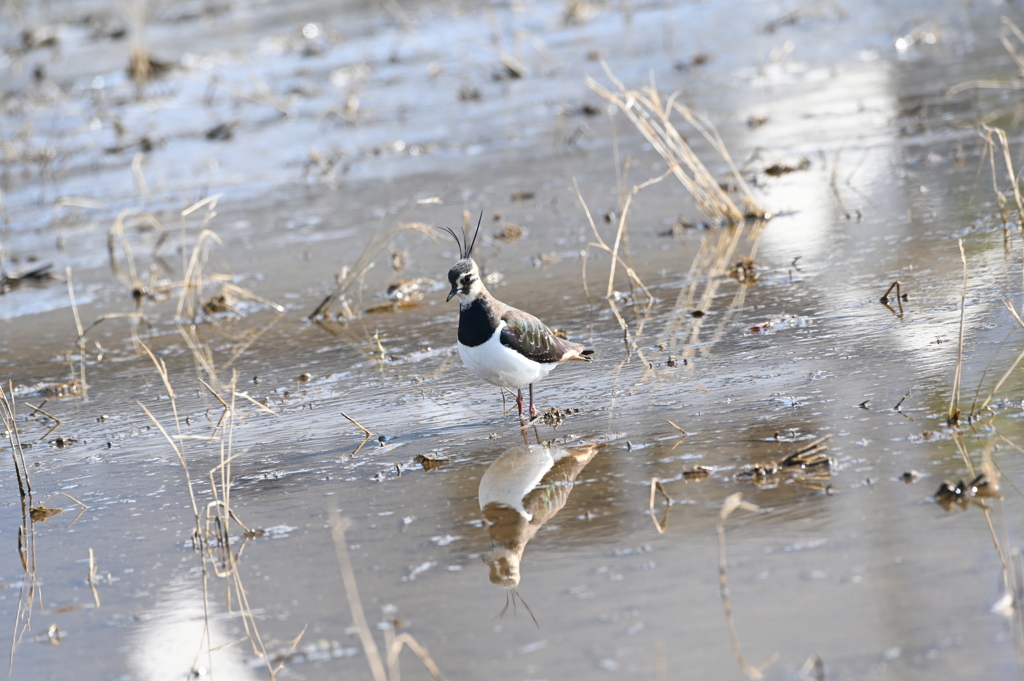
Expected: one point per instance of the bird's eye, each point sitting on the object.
(468, 278)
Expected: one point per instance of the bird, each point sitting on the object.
(504, 346)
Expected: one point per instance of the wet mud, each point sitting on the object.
(301, 160)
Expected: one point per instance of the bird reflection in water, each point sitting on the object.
(523, 489)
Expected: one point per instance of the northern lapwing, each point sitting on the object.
(498, 343)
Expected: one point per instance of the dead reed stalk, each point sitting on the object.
(732, 503)
(656, 486)
(1012, 39)
(953, 415)
(9, 413)
(617, 261)
(211, 535)
(26, 531)
(1009, 371)
(373, 657)
(652, 117)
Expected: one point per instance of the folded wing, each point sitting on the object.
(531, 338)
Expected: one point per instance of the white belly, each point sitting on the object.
(502, 366)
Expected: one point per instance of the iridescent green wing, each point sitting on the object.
(529, 336)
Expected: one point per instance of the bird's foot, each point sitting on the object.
(534, 412)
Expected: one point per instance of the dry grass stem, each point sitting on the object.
(1013, 366)
(652, 118)
(91, 578)
(707, 274)
(351, 276)
(1007, 34)
(348, 578)
(732, 503)
(634, 279)
(663, 523)
(9, 413)
(30, 585)
(212, 532)
(953, 415)
(394, 644)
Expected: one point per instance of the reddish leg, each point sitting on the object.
(533, 410)
(519, 403)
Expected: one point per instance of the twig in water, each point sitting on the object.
(659, 526)
(684, 434)
(358, 425)
(884, 300)
(897, 407)
(56, 420)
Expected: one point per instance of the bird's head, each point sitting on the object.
(464, 275)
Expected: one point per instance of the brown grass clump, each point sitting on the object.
(652, 116)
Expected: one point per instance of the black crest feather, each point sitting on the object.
(457, 241)
(465, 245)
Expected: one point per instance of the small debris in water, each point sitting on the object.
(9, 282)
(777, 169)
(809, 466)
(304, 377)
(40, 513)
(509, 233)
(555, 417)
(783, 322)
(468, 93)
(745, 270)
(405, 293)
(222, 132)
(62, 441)
(950, 495)
(429, 463)
(220, 303)
(697, 474)
(71, 388)
(756, 120)
(910, 476)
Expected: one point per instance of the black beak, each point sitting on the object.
(455, 289)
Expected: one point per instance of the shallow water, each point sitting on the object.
(857, 567)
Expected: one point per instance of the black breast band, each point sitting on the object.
(476, 324)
